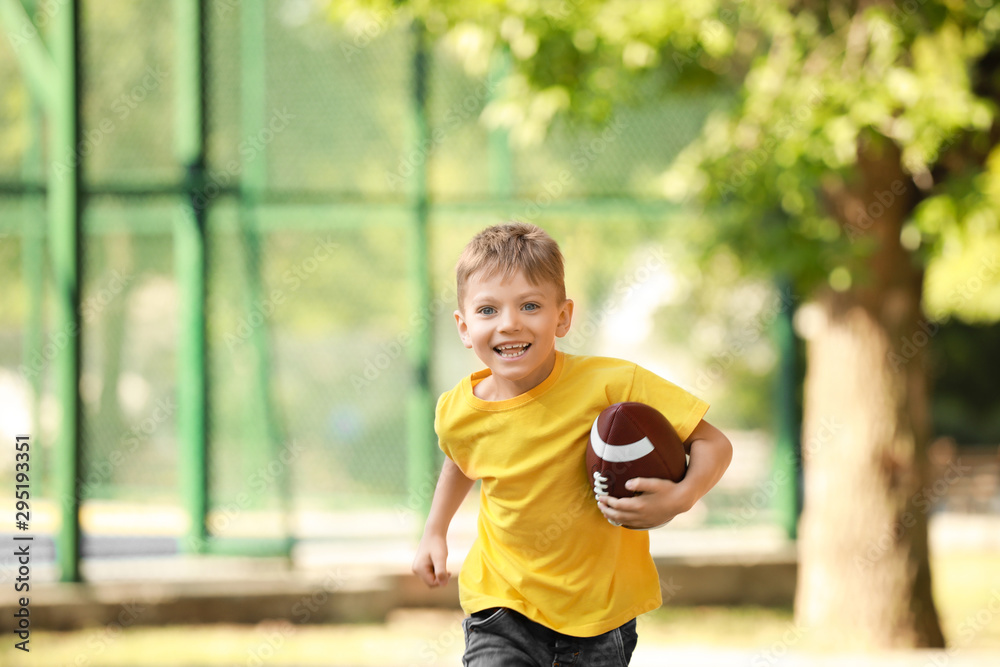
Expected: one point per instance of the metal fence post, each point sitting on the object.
(53, 77)
(787, 454)
(65, 219)
(421, 441)
(190, 267)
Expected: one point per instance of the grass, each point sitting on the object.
(967, 592)
(964, 586)
(731, 627)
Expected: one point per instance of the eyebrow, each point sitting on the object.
(526, 295)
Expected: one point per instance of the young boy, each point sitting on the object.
(553, 577)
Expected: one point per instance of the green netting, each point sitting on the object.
(623, 156)
(325, 302)
(310, 307)
(129, 337)
(330, 122)
(15, 116)
(24, 376)
(129, 78)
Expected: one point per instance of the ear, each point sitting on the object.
(565, 318)
(463, 329)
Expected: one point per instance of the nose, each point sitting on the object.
(510, 321)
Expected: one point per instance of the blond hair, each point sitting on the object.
(510, 247)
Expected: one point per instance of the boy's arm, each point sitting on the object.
(430, 563)
(661, 499)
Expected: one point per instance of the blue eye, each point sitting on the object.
(531, 306)
(483, 310)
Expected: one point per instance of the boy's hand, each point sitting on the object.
(661, 501)
(431, 561)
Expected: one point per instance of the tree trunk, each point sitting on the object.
(864, 576)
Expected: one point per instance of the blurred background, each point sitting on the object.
(227, 241)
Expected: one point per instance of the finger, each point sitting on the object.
(606, 503)
(626, 504)
(612, 515)
(425, 572)
(646, 484)
(622, 517)
(442, 575)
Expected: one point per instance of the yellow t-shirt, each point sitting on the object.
(543, 548)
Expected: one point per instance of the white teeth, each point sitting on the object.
(519, 347)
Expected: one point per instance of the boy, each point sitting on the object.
(553, 577)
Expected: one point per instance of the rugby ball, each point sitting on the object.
(632, 440)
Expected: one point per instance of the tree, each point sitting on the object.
(858, 151)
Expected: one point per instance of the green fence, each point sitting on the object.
(332, 154)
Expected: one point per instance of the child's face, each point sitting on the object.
(500, 312)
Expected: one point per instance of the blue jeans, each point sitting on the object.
(501, 637)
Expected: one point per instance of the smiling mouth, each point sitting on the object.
(512, 351)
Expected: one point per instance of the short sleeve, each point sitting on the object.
(449, 438)
(682, 409)
(437, 424)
